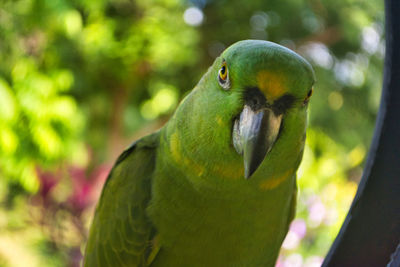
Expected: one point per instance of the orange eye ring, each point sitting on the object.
(223, 77)
(223, 72)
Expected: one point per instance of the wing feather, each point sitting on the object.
(121, 233)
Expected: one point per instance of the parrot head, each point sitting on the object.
(273, 81)
(252, 98)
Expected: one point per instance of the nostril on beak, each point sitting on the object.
(254, 98)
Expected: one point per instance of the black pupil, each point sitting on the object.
(309, 93)
(223, 70)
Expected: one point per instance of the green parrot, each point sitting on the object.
(216, 186)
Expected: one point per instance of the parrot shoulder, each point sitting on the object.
(121, 232)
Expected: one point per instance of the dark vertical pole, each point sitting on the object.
(371, 230)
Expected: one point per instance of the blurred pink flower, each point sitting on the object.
(316, 213)
(86, 188)
(299, 227)
(48, 180)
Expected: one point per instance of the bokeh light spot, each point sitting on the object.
(335, 100)
(8, 140)
(357, 155)
(370, 39)
(64, 80)
(313, 261)
(8, 110)
(164, 100)
(193, 16)
(72, 22)
(319, 54)
(259, 21)
(291, 241)
(293, 260)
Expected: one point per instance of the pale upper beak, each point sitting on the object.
(255, 132)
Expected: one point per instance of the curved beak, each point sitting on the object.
(254, 134)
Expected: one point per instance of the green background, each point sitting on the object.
(80, 80)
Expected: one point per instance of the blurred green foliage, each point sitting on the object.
(79, 80)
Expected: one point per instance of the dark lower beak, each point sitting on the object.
(254, 134)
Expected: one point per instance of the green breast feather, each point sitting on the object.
(216, 186)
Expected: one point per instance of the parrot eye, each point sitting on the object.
(309, 94)
(223, 78)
